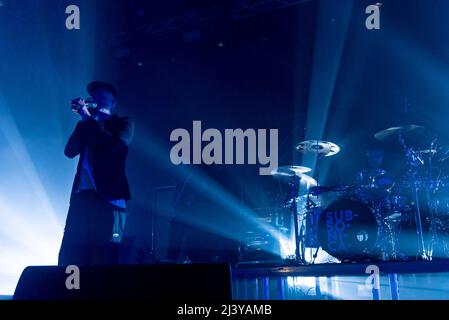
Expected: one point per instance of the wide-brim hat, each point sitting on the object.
(95, 85)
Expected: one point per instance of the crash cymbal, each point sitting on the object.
(321, 148)
(393, 133)
(289, 171)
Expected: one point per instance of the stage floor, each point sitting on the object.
(396, 281)
(278, 280)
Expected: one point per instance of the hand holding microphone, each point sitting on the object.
(81, 107)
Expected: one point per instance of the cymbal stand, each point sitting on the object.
(317, 178)
(412, 160)
(317, 168)
(310, 204)
(292, 203)
(431, 205)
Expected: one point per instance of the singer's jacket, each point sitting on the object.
(108, 143)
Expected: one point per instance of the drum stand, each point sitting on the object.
(412, 159)
(431, 206)
(392, 227)
(317, 178)
(299, 236)
(292, 202)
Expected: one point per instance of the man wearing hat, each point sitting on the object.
(97, 212)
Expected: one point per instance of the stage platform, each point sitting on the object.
(280, 280)
(418, 280)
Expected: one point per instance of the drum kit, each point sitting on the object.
(379, 218)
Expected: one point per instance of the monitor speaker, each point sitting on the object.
(186, 282)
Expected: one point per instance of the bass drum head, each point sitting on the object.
(347, 230)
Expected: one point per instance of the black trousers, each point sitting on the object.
(93, 231)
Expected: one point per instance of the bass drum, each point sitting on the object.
(348, 230)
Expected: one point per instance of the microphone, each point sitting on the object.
(89, 103)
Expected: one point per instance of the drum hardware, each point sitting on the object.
(307, 231)
(294, 190)
(321, 149)
(445, 155)
(394, 210)
(394, 206)
(377, 178)
(415, 159)
(426, 151)
(425, 186)
(392, 225)
(296, 181)
(431, 188)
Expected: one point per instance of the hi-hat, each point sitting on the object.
(394, 133)
(289, 171)
(321, 148)
(306, 180)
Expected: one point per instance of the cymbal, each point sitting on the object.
(289, 171)
(393, 133)
(322, 148)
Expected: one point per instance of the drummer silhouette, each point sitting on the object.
(374, 175)
(374, 183)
